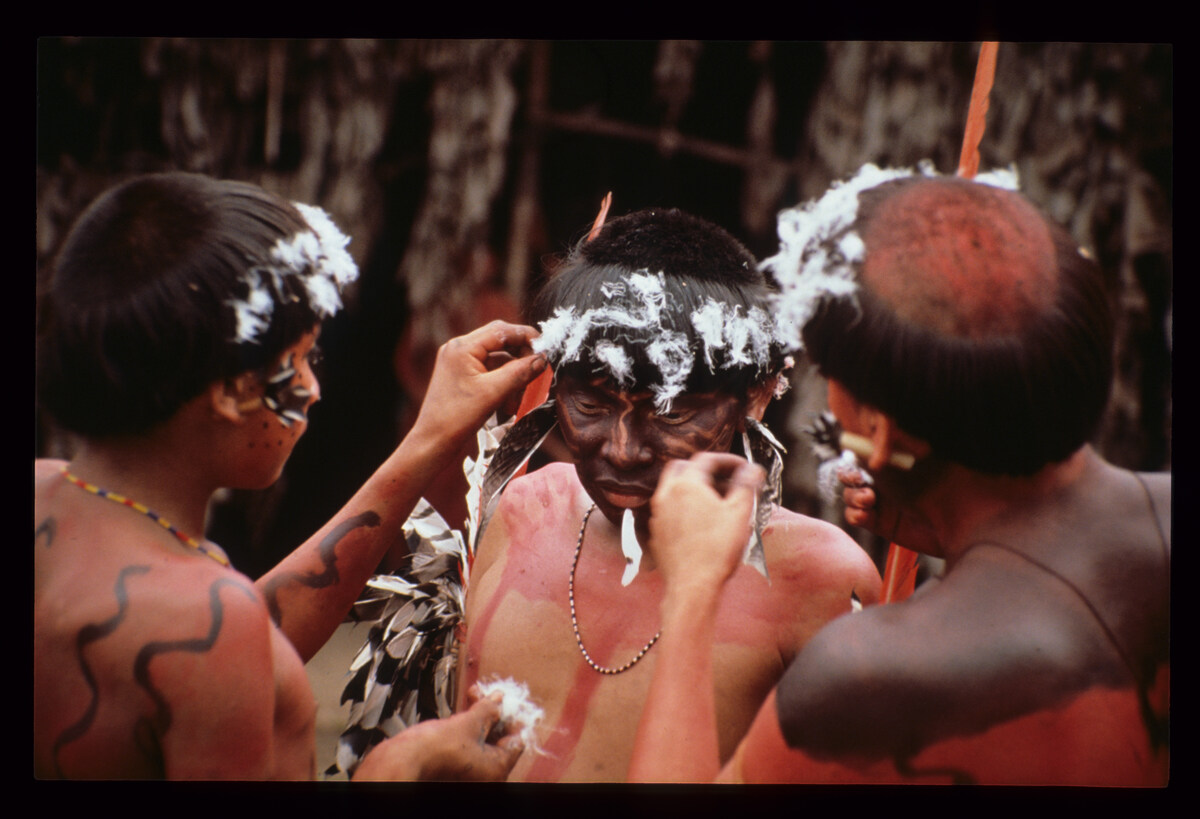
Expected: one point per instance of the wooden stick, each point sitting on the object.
(900, 571)
(863, 448)
(985, 73)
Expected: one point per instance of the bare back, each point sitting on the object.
(151, 660)
(1041, 658)
(519, 622)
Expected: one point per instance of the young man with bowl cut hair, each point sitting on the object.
(176, 341)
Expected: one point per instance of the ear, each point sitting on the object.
(759, 397)
(888, 439)
(233, 398)
(883, 437)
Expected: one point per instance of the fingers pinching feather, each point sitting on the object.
(498, 335)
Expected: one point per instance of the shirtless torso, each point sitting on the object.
(135, 633)
(519, 623)
(1042, 657)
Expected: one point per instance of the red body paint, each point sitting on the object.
(519, 622)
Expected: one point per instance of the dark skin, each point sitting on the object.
(620, 444)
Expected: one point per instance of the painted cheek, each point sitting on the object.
(582, 434)
(711, 432)
(842, 408)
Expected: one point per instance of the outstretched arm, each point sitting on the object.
(311, 590)
(677, 736)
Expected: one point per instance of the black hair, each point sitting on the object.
(1009, 403)
(699, 262)
(136, 320)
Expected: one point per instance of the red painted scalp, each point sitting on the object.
(958, 257)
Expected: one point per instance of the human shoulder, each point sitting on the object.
(541, 499)
(793, 530)
(820, 552)
(540, 496)
(46, 468)
(1158, 487)
(188, 592)
(220, 669)
(554, 476)
(47, 474)
(847, 681)
(208, 627)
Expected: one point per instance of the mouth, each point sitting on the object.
(623, 495)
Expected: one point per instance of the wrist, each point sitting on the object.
(435, 435)
(425, 451)
(692, 601)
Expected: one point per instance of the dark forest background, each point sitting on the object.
(464, 168)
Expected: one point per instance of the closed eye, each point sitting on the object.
(676, 417)
(587, 406)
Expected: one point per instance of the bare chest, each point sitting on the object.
(584, 644)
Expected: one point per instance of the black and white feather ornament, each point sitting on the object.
(406, 671)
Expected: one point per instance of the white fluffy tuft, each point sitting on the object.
(317, 257)
(819, 252)
(516, 709)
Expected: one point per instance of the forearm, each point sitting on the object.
(677, 735)
(310, 591)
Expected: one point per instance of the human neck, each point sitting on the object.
(151, 473)
(965, 504)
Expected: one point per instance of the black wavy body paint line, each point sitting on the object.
(47, 529)
(329, 575)
(149, 729)
(89, 634)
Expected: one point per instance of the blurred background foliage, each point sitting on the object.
(463, 169)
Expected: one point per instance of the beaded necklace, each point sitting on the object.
(575, 621)
(150, 513)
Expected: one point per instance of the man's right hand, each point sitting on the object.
(700, 518)
(473, 376)
(452, 749)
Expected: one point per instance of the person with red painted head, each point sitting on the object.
(957, 324)
(662, 346)
(176, 343)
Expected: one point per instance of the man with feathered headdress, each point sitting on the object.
(659, 333)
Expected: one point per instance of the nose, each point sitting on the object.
(625, 447)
